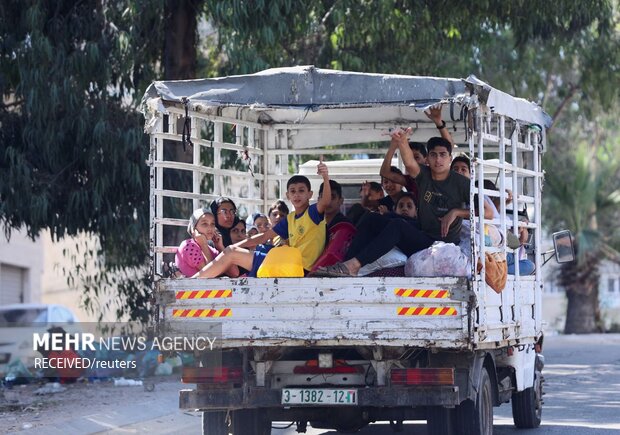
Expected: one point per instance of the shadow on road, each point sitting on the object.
(498, 429)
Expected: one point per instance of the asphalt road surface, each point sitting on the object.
(582, 376)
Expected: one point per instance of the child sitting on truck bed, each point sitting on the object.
(304, 229)
(193, 254)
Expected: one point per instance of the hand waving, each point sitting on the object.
(434, 113)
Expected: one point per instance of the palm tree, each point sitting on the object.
(584, 197)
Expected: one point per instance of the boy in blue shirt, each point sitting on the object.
(304, 229)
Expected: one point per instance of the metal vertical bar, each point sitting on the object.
(218, 138)
(154, 257)
(272, 165)
(273, 141)
(196, 176)
(537, 232)
(249, 181)
(159, 200)
(502, 177)
(506, 312)
(472, 226)
(480, 175)
(514, 138)
(267, 169)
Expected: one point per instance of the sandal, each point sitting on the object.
(338, 270)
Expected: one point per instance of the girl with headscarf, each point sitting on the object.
(195, 253)
(225, 211)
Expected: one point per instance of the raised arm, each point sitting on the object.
(326, 197)
(434, 114)
(411, 166)
(386, 171)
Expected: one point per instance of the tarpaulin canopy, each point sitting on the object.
(314, 89)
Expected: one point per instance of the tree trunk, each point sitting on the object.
(582, 313)
(179, 63)
(581, 281)
(181, 20)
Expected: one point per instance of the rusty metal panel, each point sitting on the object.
(359, 311)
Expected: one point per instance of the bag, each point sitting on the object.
(282, 262)
(439, 259)
(495, 270)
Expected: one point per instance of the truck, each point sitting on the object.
(341, 353)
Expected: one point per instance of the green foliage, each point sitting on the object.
(583, 195)
(72, 149)
(409, 37)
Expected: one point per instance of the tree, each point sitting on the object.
(563, 55)
(72, 148)
(584, 194)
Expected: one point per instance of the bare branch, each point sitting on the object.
(571, 93)
(328, 13)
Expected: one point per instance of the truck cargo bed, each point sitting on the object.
(319, 311)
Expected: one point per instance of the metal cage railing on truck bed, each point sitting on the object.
(246, 135)
(518, 168)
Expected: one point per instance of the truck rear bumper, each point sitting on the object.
(256, 397)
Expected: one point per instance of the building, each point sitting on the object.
(21, 268)
(33, 271)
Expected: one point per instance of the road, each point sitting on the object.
(582, 384)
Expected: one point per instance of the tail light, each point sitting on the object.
(211, 375)
(422, 376)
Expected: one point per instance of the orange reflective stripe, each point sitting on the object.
(426, 311)
(203, 294)
(419, 293)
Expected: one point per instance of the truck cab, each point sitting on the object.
(341, 353)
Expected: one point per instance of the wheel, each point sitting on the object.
(440, 420)
(527, 405)
(214, 423)
(476, 418)
(250, 422)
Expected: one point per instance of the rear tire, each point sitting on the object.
(214, 423)
(477, 418)
(250, 422)
(527, 405)
(440, 420)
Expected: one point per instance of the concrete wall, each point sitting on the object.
(55, 287)
(24, 253)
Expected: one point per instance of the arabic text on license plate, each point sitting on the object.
(324, 396)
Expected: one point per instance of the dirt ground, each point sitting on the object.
(22, 409)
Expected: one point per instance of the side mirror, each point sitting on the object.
(563, 244)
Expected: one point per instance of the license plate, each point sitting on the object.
(318, 396)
